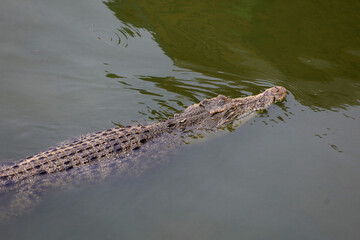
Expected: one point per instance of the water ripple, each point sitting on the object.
(121, 36)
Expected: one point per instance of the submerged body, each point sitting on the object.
(115, 143)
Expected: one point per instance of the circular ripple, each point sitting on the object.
(120, 37)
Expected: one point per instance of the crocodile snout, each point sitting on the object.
(279, 93)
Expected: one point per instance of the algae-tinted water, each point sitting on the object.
(72, 67)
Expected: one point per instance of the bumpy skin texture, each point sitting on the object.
(117, 142)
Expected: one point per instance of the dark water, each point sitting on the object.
(72, 67)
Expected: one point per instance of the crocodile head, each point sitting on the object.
(218, 111)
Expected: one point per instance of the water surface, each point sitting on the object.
(68, 68)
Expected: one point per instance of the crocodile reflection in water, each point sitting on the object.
(117, 142)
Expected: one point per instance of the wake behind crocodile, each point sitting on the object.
(123, 151)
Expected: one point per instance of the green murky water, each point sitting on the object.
(72, 67)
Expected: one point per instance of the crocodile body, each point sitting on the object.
(115, 143)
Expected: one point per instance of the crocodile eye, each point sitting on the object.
(170, 125)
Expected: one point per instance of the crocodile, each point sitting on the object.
(118, 152)
(117, 142)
